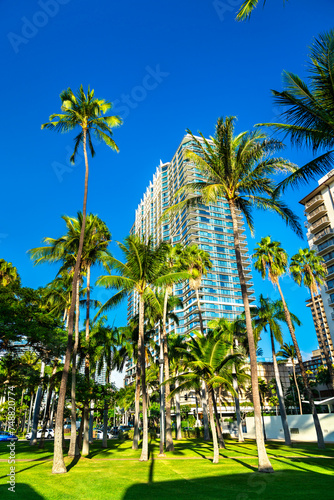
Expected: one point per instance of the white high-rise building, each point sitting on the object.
(209, 227)
(319, 210)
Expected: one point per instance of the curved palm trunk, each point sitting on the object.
(219, 430)
(86, 439)
(329, 363)
(136, 433)
(74, 450)
(280, 394)
(58, 457)
(30, 410)
(178, 413)
(205, 412)
(264, 462)
(141, 356)
(169, 437)
(48, 404)
(79, 438)
(297, 387)
(320, 437)
(213, 428)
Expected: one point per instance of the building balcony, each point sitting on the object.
(320, 224)
(331, 301)
(316, 214)
(313, 203)
(324, 251)
(323, 235)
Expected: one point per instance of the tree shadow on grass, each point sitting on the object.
(73, 463)
(287, 483)
(21, 470)
(22, 490)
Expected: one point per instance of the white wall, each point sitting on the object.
(304, 424)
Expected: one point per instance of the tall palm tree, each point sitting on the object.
(238, 168)
(143, 271)
(85, 112)
(308, 111)
(269, 315)
(288, 352)
(309, 268)
(175, 356)
(197, 262)
(272, 260)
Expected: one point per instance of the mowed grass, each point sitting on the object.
(116, 474)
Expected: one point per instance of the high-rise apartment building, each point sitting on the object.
(209, 227)
(319, 210)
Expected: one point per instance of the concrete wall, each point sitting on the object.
(304, 424)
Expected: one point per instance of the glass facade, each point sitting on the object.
(209, 227)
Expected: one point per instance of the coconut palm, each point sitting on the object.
(234, 331)
(238, 168)
(85, 112)
(272, 260)
(309, 268)
(288, 353)
(269, 315)
(308, 111)
(175, 356)
(204, 357)
(143, 271)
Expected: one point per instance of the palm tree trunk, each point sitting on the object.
(219, 430)
(280, 394)
(74, 450)
(178, 413)
(136, 433)
(169, 437)
(237, 404)
(47, 408)
(79, 438)
(162, 400)
(105, 425)
(58, 457)
(200, 317)
(85, 446)
(320, 437)
(297, 387)
(38, 400)
(213, 428)
(264, 462)
(205, 412)
(329, 363)
(141, 356)
(30, 410)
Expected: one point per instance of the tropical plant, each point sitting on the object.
(86, 112)
(309, 268)
(238, 168)
(308, 112)
(247, 8)
(269, 314)
(143, 271)
(8, 273)
(272, 260)
(204, 357)
(288, 353)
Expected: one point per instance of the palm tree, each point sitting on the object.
(308, 111)
(197, 262)
(272, 260)
(269, 315)
(175, 356)
(288, 352)
(233, 330)
(309, 268)
(143, 271)
(204, 358)
(87, 113)
(238, 168)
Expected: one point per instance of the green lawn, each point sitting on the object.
(300, 472)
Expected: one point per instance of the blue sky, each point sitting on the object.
(167, 66)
